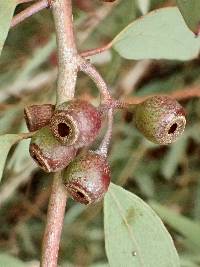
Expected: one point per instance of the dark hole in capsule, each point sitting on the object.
(173, 128)
(81, 195)
(63, 129)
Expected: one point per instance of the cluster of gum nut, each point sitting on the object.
(62, 132)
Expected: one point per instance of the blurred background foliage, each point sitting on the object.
(166, 177)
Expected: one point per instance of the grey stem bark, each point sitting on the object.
(67, 75)
(66, 47)
(53, 229)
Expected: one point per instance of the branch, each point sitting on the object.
(67, 52)
(55, 217)
(95, 51)
(27, 135)
(186, 93)
(29, 12)
(103, 148)
(181, 94)
(67, 74)
(23, 1)
(14, 181)
(86, 67)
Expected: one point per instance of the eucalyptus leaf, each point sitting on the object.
(25, 238)
(21, 156)
(7, 9)
(6, 142)
(145, 182)
(188, 263)
(8, 261)
(182, 224)
(196, 210)
(8, 119)
(134, 234)
(39, 56)
(119, 16)
(190, 12)
(99, 265)
(173, 157)
(144, 5)
(161, 34)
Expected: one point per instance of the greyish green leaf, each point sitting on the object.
(6, 142)
(116, 21)
(161, 34)
(134, 234)
(182, 224)
(143, 6)
(8, 261)
(99, 265)
(7, 9)
(173, 157)
(188, 263)
(190, 12)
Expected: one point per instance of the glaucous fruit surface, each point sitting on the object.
(160, 119)
(48, 153)
(76, 122)
(38, 116)
(87, 178)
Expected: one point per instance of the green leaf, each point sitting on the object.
(145, 182)
(190, 12)
(161, 34)
(188, 263)
(174, 157)
(134, 234)
(143, 5)
(20, 157)
(183, 225)
(99, 265)
(6, 142)
(26, 241)
(7, 9)
(39, 56)
(8, 261)
(28, 70)
(114, 22)
(8, 119)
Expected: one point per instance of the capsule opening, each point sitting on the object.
(63, 129)
(173, 128)
(80, 194)
(81, 197)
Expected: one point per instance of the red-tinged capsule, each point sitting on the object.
(87, 178)
(76, 122)
(48, 153)
(38, 116)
